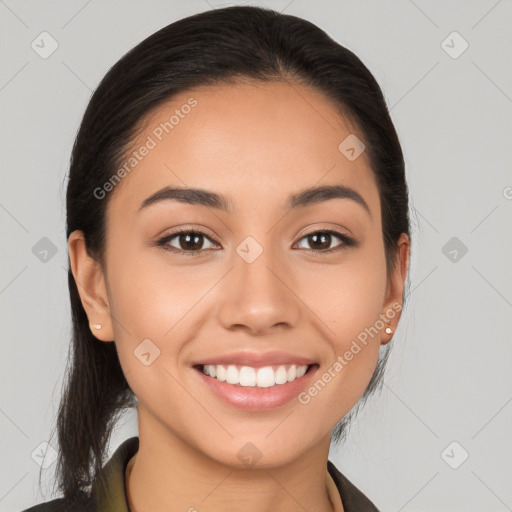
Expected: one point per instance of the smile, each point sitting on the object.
(245, 390)
(248, 376)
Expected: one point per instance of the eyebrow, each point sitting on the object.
(307, 197)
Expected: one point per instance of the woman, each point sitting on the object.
(238, 233)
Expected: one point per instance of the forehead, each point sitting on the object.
(256, 143)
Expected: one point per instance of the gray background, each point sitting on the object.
(449, 377)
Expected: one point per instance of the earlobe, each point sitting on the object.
(387, 335)
(90, 282)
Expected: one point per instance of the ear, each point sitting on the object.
(395, 288)
(90, 282)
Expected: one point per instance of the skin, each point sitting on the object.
(256, 144)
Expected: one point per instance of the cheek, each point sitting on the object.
(348, 297)
(151, 302)
(151, 294)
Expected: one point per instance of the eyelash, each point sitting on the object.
(346, 241)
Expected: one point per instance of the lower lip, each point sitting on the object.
(254, 398)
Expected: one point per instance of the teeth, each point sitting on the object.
(248, 376)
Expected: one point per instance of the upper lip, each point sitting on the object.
(256, 359)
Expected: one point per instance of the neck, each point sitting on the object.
(167, 475)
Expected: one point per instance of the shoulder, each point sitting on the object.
(107, 493)
(60, 505)
(353, 499)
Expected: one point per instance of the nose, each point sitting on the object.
(259, 297)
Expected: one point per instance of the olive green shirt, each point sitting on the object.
(108, 492)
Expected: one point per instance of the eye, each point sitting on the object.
(188, 242)
(191, 241)
(321, 241)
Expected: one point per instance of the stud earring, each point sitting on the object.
(96, 326)
(389, 330)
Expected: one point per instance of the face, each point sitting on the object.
(252, 280)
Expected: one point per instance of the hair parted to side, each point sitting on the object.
(212, 47)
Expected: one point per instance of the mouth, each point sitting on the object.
(256, 388)
(255, 377)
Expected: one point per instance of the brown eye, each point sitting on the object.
(186, 241)
(190, 241)
(320, 241)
